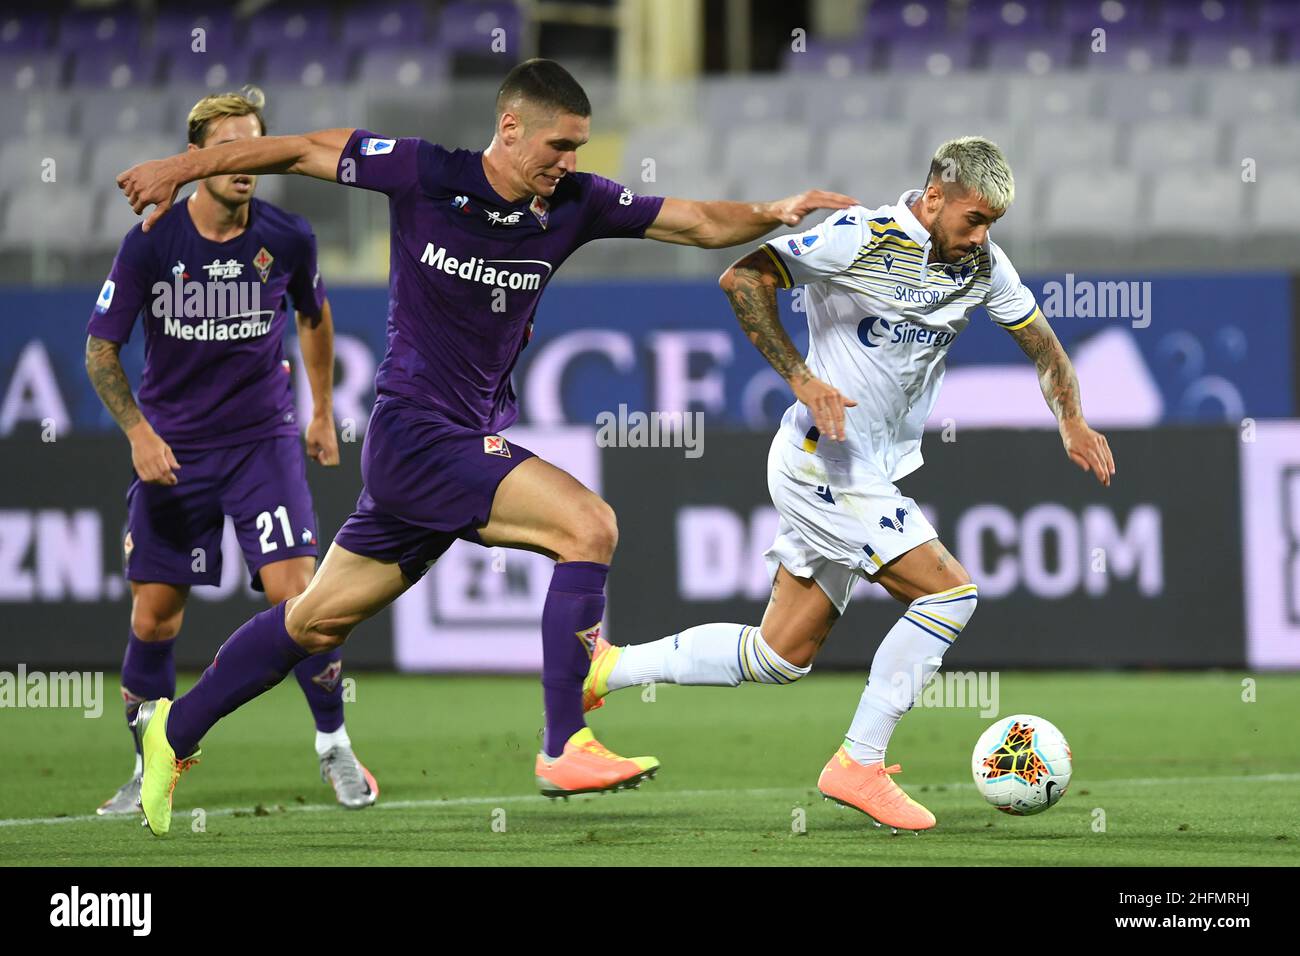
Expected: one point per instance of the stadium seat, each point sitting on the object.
(113, 154)
(214, 70)
(1088, 203)
(23, 73)
(1061, 96)
(1271, 143)
(28, 31)
(1038, 55)
(1275, 207)
(1129, 53)
(1066, 145)
(835, 59)
(22, 159)
(173, 30)
(766, 146)
(112, 29)
(1188, 204)
(1158, 96)
(1261, 93)
(1081, 17)
(467, 26)
(726, 103)
(938, 56)
(1020, 18)
(303, 65)
(113, 68)
(56, 218)
(411, 67)
(901, 18)
(856, 153)
(974, 98)
(1243, 51)
(104, 113)
(677, 151)
(1165, 144)
(385, 24)
(283, 28)
(36, 114)
(823, 103)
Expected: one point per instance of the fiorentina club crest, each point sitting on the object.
(540, 208)
(329, 677)
(495, 445)
(262, 261)
(589, 637)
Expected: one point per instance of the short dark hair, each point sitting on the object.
(546, 84)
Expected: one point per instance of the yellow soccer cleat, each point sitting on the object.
(868, 788)
(596, 684)
(161, 767)
(586, 766)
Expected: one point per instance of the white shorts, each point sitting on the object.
(840, 520)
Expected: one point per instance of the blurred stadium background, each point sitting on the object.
(1156, 147)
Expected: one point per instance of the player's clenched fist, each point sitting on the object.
(151, 456)
(1088, 449)
(154, 182)
(826, 405)
(322, 442)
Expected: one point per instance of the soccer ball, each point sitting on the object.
(1022, 765)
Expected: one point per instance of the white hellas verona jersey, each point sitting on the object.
(881, 319)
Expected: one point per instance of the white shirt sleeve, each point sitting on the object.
(1010, 302)
(825, 250)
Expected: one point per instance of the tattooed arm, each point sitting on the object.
(750, 285)
(1087, 448)
(151, 456)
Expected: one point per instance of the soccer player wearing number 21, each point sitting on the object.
(475, 237)
(215, 431)
(888, 291)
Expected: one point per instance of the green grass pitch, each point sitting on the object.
(1178, 767)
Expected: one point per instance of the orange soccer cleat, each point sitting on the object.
(868, 788)
(586, 766)
(596, 684)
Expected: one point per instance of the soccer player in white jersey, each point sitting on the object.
(888, 291)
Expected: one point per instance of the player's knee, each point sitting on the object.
(593, 533)
(317, 632)
(148, 625)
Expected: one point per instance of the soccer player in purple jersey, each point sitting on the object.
(475, 237)
(214, 432)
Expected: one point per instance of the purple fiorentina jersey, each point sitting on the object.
(214, 318)
(467, 268)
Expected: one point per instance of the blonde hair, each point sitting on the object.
(247, 102)
(976, 165)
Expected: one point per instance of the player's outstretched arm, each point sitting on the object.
(716, 224)
(750, 285)
(157, 181)
(1087, 448)
(316, 339)
(152, 457)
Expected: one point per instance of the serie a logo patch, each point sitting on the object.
(495, 445)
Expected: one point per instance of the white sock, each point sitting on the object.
(338, 738)
(907, 658)
(718, 654)
(139, 766)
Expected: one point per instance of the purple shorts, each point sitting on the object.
(427, 482)
(174, 533)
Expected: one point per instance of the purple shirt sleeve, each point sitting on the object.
(615, 212)
(125, 291)
(305, 286)
(390, 166)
